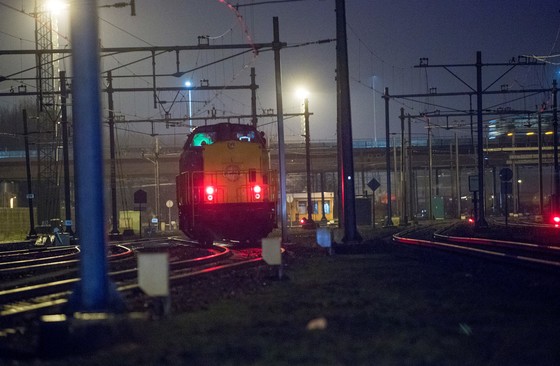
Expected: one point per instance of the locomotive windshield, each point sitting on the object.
(203, 138)
(246, 136)
(207, 135)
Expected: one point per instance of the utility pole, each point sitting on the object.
(480, 219)
(65, 154)
(389, 218)
(555, 126)
(48, 193)
(114, 233)
(479, 91)
(430, 173)
(404, 193)
(254, 120)
(310, 223)
(32, 233)
(346, 178)
(457, 177)
(277, 46)
(94, 292)
(410, 171)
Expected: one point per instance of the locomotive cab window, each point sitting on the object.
(246, 136)
(203, 138)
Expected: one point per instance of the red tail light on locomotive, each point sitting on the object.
(209, 193)
(556, 220)
(257, 192)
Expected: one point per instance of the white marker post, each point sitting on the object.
(272, 253)
(324, 238)
(153, 277)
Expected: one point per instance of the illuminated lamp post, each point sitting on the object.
(302, 93)
(55, 7)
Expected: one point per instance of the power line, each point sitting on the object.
(268, 2)
(126, 32)
(16, 9)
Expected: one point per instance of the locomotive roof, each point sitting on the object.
(225, 131)
(224, 125)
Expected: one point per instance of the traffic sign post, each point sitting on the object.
(169, 204)
(506, 174)
(373, 184)
(140, 198)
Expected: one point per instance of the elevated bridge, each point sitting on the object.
(136, 169)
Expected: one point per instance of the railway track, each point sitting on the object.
(542, 250)
(47, 292)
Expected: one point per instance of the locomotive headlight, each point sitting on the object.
(257, 192)
(210, 191)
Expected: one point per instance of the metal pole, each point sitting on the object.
(396, 175)
(32, 233)
(65, 153)
(457, 176)
(430, 174)
(93, 292)
(277, 46)
(555, 125)
(389, 218)
(404, 211)
(323, 217)
(156, 177)
(347, 177)
(254, 87)
(190, 109)
(308, 164)
(539, 141)
(453, 185)
(114, 218)
(374, 119)
(514, 170)
(480, 219)
(410, 172)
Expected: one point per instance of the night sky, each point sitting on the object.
(386, 40)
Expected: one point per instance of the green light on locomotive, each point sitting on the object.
(202, 139)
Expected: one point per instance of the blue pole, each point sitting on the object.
(94, 292)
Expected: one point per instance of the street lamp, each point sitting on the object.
(188, 84)
(55, 7)
(303, 93)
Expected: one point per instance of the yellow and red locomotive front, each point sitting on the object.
(225, 189)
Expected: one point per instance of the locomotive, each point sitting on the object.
(225, 188)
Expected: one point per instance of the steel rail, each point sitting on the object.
(50, 263)
(494, 247)
(60, 290)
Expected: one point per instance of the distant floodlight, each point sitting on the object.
(188, 83)
(55, 7)
(302, 93)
